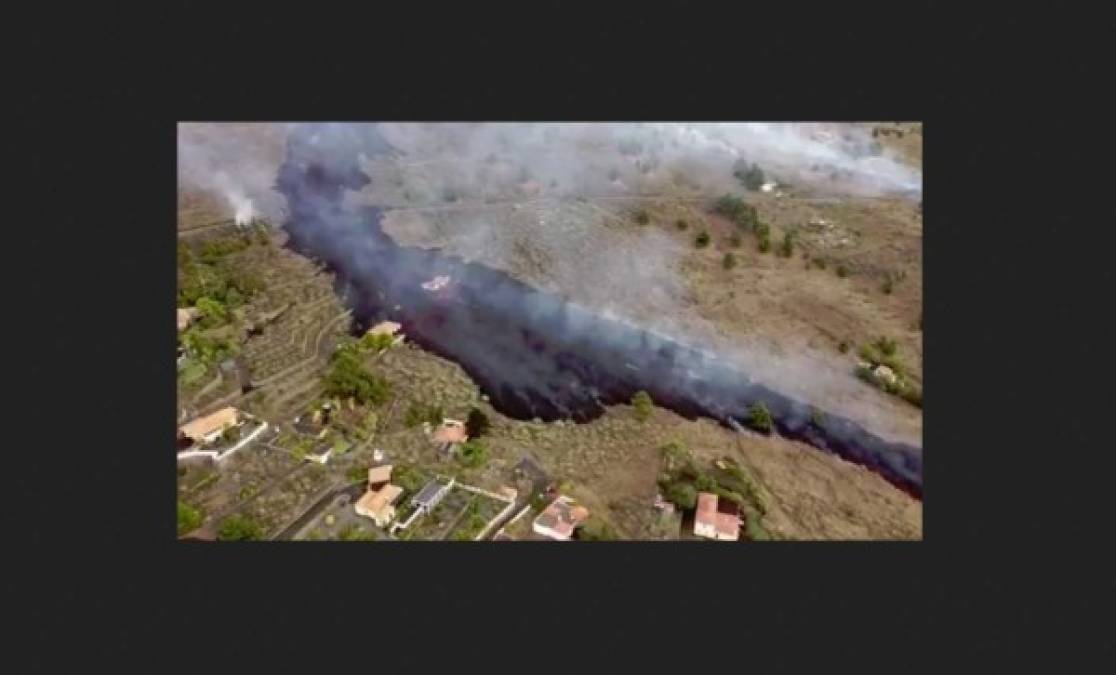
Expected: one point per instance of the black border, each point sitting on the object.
(1011, 567)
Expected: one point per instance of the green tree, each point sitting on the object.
(596, 529)
(189, 518)
(348, 377)
(682, 494)
(472, 454)
(842, 271)
(702, 239)
(759, 417)
(239, 528)
(751, 175)
(476, 424)
(643, 404)
(212, 312)
(764, 243)
(681, 224)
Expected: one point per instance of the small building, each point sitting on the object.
(209, 428)
(378, 476)
(430, 495)
(387, 328)
(559, 520)
(449, 435)
(186, 316)
(716, 518)
(379, 504)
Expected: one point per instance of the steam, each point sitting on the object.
(235, 164)
(507, 195)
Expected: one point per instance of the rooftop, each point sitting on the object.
(385, 328)
(379, 474)
(428, 492)
(204, 426)
(562, 516)
(451, 431)
(719, 515)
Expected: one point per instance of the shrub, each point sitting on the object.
(681, 224)
(843, 347)
(347, 377)
(212, 312)
(887, 346)
(735, 240)
(842, 271)
(755, 530)
(887, 286)
(477, 424)
(787, 249)
(642, 217)
(736, 209)
(705, 483)
(239, 528)
(595, 529)
(417, 413)
(376, 343)
(189, 518)
(472, 454)
(682, 494)
(912, 394)
(819, 263)
(643, 404)
(702, 239)
(729, 261)
(759, 417)
(764, 243)
(751, 175)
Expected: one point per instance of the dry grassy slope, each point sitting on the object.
(614, 461)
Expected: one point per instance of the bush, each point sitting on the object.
(681, 224)
(755, 530)
(702, 239)
(819, 263)
(642, 217)
(912, 394)
(239, 528)
(212, 312)
(472, 454)
(595, 529)
(643, 404)
(189, 518)
(476, 424)
(887, 346)
(842, 271)
(683, 495)
(729, 261)
(705, 483)
(347, 377)
(735, 240)
(356, 473)
(843, 347)
(764, 243)
(787, 249)
(739, 211)
(759, 417)
(417, 413)
(751, 175)
(376, 343)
